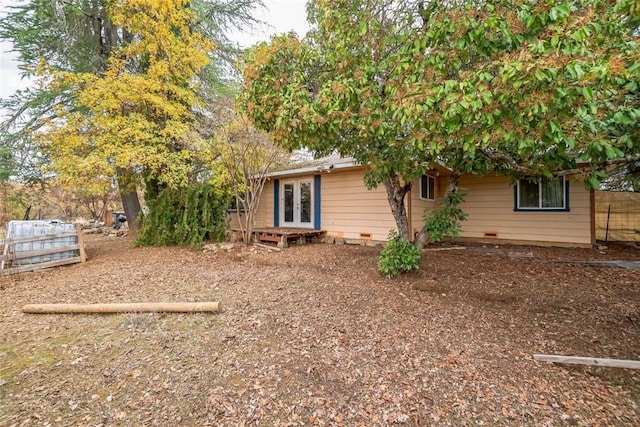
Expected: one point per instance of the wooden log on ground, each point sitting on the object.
(33, 267)
(139, 307)
(83, 253)
(41, 252)
(591, 361)
(273, 248)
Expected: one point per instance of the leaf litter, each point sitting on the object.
(313, 335)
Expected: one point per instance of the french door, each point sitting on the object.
(297, 203)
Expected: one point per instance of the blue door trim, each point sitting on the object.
(276, 203)
(317, 224)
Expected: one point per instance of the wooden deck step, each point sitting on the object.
(282, 236)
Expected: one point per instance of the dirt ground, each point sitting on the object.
(314, 335)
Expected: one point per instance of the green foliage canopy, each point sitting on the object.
(511, 86)
(535, 87)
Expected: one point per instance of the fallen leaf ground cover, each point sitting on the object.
(313, 335)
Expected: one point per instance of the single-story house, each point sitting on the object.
(331, 196)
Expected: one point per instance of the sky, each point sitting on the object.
(281, 16)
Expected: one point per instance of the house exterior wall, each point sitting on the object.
(264, 214)
(489, 203)
(349, 210)
(234, 220)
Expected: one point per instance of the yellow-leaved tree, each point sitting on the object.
(135, 121)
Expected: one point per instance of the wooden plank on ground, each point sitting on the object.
(5, 255)
(591, 361)
(273, 248)
(14, 240)
(33, 267)
(83, 253)
(268, 238)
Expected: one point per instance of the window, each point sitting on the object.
(233, 206)
(427, 187)
(546, 195)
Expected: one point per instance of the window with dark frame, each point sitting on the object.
(543, 195)
(427, 187)
(233, 206)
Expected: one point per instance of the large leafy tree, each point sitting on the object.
(137, 114)
(245, 156)
(549, 88)
(329, 93)
(70, 36)
(85, 56)
(526, 88)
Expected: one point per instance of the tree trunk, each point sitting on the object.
(244, 222)
(130, 200)
(423, 236)
(140, 307)
(396, 192)
(248, 227)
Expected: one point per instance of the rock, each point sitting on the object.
(486, 251)
(354, 242)
(516, 254)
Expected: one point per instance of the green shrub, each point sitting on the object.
(445, 220)
(398, 256)
(186, 216)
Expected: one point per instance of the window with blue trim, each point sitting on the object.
(543, 195)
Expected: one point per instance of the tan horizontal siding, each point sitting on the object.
(354, 178)
(489, 203)
(356, 198)
(355, 215)
(338, 204)
(516, 226)
(419, 206)
(497, 214)
(349, 209)
(264, 215)
(234, 220)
